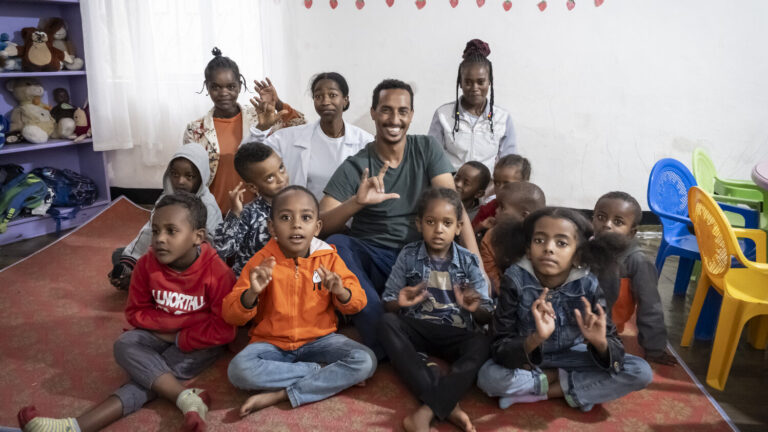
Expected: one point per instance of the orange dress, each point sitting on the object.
(230, 134)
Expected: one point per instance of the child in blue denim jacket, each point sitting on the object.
(552, 336)
(435, 294)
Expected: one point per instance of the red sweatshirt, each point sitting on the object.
(188, 302)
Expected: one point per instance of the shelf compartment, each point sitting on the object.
(22, 74)
(27, 147)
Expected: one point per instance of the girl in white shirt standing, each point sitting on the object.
(471, 127)
(313, 151)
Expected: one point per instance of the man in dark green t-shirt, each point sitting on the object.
(379, 188)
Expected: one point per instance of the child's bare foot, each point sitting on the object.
(262, 400)
(419, 420)
(459, 418)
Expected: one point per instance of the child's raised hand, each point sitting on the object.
(266, 114)
(592, 325)
(261, 275)
(268, 92)
(332, 281)
(467, 297)
(371, 190)
(236, 199)
(543, 316)
(412, 295)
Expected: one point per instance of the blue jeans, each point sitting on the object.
(263, 366)
(372, 265)
(585, 383)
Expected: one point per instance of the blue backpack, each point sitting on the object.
(70, 189)
(20, 192)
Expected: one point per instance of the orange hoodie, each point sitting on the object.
(293, 310)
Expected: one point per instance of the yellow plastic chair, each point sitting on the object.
(745, 290)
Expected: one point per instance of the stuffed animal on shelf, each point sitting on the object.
(63, 108)
(82, 123)
(56, 29)
(33, 122)
(38, 53)
(9, 61)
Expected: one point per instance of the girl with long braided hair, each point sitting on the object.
(471, 127)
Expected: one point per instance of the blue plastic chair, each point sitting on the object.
(668, 199)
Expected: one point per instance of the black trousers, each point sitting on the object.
(403, 337)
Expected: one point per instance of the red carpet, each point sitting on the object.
(61, 316)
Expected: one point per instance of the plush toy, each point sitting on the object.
(63, 108)
(38, 53)
(8, 50)
(33, 122)
(82, 123)
(3, 129)
(56, 29)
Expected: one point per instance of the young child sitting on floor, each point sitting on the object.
(244, 230)
(620, 213)
(510, 168)
(187, 172)
(435, 293)
(552, 336)
(471, 180)
(293, 287)
(515, 202)
(174, 303)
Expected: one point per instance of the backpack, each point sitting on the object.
(23, 191)
(70, 189)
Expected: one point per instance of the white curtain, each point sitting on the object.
(145, 61)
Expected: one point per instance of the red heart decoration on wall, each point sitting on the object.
(359, 4)
(307, 4)
(542, 5)
(334, 3)
(454, 3)
(507, 5)
(570, 4)
(390, 2)
(598, 3)
(480, 3)
(421, 3)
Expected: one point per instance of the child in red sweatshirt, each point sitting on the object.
(174, 301)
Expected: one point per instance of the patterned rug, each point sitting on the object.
(61, 316)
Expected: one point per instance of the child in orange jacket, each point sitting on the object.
(292, 287)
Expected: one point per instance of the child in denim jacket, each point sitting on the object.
(437, 291)
(552, 336)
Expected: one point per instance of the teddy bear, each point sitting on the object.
(38, 53)
(8, 59)
(56, 29)
(32, 121)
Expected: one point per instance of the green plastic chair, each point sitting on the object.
(734, 192)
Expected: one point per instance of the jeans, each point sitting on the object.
(372, 265)
(145, 357)
(263, 366)
(585, 382)
(403, 337)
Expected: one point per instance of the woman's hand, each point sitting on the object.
(268, 93)
(266, 115)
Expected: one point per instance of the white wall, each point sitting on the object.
(597, 94)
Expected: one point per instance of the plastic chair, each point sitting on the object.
(668, 187)
(745, 290)
(734, 192)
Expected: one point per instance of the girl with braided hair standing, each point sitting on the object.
(472, 127)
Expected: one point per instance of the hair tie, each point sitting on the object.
(216, 52)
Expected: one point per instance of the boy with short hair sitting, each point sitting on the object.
(515, 201)
(174, 303)
(619, 212)
(243, 232)
(471, 180)
(293, 287)
(188, 171)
